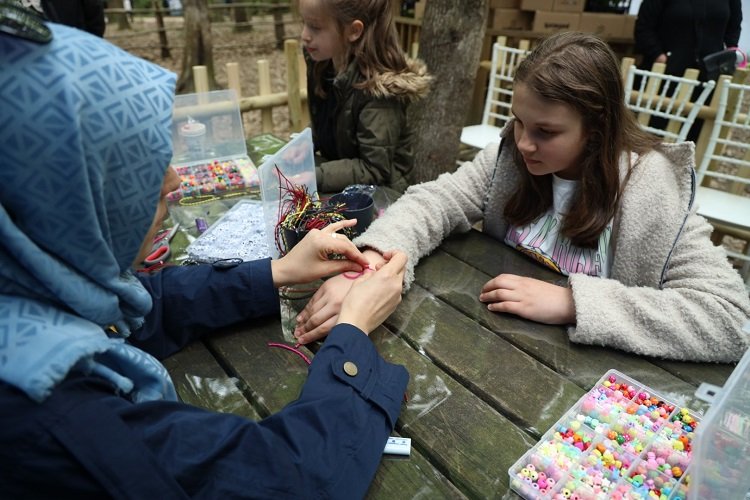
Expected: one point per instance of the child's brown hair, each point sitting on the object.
(376, 51)
(581, 71)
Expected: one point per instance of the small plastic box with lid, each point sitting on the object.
(209, 148)
(721, 457)
(623, 440)
(292, 165)
(620, 440)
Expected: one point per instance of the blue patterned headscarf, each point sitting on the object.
(84, 145)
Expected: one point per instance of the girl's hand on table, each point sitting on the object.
(320, 314)
(529, 298)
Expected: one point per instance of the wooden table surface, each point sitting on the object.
(484, 386)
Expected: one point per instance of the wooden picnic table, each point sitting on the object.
(484, 386)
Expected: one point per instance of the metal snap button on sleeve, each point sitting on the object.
(350, 369)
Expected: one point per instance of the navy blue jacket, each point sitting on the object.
(87, 441)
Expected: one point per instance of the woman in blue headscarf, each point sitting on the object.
(85, 410)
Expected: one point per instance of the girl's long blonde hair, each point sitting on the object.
(376, 51)
(581, 71)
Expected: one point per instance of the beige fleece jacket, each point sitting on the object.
(671, 292)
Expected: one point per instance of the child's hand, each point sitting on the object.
(322, 310)
(529, 298)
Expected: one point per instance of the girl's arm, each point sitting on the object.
(697, 316)
(429, 212)
(416, 224)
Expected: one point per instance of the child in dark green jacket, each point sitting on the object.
(360, 85)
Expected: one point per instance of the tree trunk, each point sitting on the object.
(121, 18)
(278, 26)
(198, 45)
(163, 42)
(450, 44)
(240, 19)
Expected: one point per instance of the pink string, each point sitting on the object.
(353, 275)
(292, 349)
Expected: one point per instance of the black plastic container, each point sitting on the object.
(292, 236)
(358, 206)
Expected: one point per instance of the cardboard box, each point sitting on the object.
(505, 4)
(552, 22)
(568, 5)
(629, 26)
(396, 6)
(535, 5)
(512, 19)
(604, 25)
(419, 9)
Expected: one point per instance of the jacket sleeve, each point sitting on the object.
(646, 32)
(192, 300)
(697, 315)
(734, 25)
(93, 13)
(325, 445)
(429, 212)
(380, 125)
(341, 421)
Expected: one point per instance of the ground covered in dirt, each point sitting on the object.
(229, 45)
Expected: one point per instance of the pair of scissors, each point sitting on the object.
(161, 250)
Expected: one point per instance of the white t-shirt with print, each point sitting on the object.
(541, 239)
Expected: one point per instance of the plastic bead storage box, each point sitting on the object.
(721, 460)
(621, 440)
(210, 152)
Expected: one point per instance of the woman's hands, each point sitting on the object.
(320, 314)
(529, 298)
(374, 296)
(308, 260)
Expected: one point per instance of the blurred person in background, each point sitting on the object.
(680, 33)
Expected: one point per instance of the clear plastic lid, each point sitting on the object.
(207, 126)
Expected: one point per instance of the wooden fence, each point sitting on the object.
(294, 97)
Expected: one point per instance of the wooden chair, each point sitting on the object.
(665, 96)
(723, 178)
(499, 92)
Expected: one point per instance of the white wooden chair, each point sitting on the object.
(723, 179)
(668, 97)
(496, 114)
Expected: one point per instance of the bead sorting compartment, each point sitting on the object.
(215, 177)
(621, 440)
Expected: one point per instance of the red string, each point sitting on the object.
(299, 212)
(291, 349)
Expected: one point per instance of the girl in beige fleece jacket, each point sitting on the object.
(577, 185)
